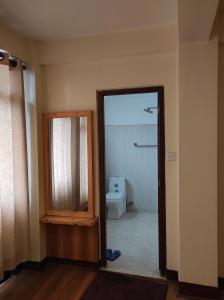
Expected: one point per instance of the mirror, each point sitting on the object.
(69, 163)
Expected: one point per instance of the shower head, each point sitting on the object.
(150, 109)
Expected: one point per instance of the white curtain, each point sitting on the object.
(14, 232)
(83, 163)
(61, 164)
(69, 163)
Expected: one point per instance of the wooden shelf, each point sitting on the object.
(68, 221)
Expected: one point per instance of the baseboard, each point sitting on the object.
(171, 275)
(221, 282)
(6, 276)
(31, 265)
(78, 263)
(197, 290)
(35, 265)
(183, 288)
(38, 265)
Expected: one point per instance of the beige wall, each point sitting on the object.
(73, 85)
(198, 162)
(221, 161)
(13, 42)
(73, 70)
(221, 146)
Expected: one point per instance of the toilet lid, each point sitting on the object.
(114, 196)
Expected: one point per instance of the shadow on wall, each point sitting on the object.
(130, 203)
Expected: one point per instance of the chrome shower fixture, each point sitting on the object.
(150, 109)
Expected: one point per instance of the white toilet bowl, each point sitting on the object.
(115, 205)
(116, 198)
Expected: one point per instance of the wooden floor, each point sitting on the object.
(55, 282)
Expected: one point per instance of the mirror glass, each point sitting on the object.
(68, 163)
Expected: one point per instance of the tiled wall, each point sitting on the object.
(137, 165)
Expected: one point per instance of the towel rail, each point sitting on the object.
(144, 146)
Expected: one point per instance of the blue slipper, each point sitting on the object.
(113, 254)
(109, 253)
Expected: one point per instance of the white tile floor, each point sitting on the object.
(136, 236)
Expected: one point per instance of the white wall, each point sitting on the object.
(127, 123)
(138, 165)
(129, 109)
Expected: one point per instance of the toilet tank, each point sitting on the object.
(117, 185)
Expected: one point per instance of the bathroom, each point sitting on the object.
(131, 171)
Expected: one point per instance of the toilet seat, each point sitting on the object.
(115, 205)
(114, 196)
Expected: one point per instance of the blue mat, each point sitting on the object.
(113, 254)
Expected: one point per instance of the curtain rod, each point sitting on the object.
(13, 60)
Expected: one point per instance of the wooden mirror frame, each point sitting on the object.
(47, 172)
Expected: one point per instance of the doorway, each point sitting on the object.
(108, 114)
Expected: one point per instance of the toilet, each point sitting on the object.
(116, 198)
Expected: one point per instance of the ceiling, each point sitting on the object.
(61, 19)
(196, 19)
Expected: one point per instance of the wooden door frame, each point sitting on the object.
(161, 168)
